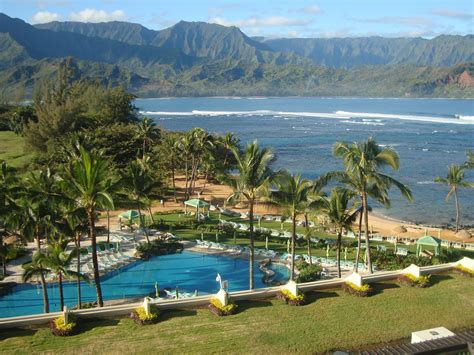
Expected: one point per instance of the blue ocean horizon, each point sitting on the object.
(428, 134)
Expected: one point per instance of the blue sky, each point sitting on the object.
(270, 18)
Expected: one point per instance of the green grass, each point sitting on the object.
(331, 320)
(12, 150)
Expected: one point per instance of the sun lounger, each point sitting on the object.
(402, 251)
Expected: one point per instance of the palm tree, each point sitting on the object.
(58, 261)
(253, 177)
(341, 213)
(229, 142)
(36, 269)
(291, 194)
(455, 180)
(139, 185)
(470, 160)
(169, 157)
(89, 182)
(147, 132)
(364, 163)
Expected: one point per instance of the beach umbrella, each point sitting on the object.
(288, 246)
(202, 236)
(266, 242)
(130, 214)
(217, 237)
(157, 290)
(235, 235)
(327, 253)
(345, 254)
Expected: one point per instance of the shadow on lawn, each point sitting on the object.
(166, 315)
(379, 288)
(244, 305)
(15, 333)
(86, 325)
(314, 296)
(437, 278)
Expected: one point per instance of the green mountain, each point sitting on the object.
(195, 58)
(352, 52)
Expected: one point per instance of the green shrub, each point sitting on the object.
(308, 272)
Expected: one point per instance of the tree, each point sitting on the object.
(470, 160)
(228, 142)
(291, 195)
(254, 175)
(89, 182)
(58, 261)
(139, 185)
(341, 213)
(169, 152)
(365, 162)
(35, 269)
(455, 181)
(147, 132)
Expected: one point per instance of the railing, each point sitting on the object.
(124, 309)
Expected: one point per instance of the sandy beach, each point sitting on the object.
(217, 195)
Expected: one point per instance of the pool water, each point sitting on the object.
(189, 271)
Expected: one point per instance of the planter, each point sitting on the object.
(58, 327)
(218, 309)
(359, 291)
(290, 299)
(141, 318)
(413, 281)
(464, 271)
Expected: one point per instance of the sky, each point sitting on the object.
(268, 18)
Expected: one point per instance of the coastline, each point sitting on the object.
(217, 195)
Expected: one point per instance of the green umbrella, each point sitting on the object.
(130, 214)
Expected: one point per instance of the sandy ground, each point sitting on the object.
(217, 195)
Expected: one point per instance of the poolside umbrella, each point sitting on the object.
(266, 242)
(130, 214)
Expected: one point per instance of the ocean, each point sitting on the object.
(428, 134)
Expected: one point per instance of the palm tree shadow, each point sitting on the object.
(379, 288)
(437, 278)
(16, 332)
(169, 314)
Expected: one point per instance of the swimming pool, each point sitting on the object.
(189, 271)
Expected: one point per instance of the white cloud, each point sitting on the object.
(93, 15)
(311, 10)
(44, 16)
(465, 16)
(413, 21)
(272, 21)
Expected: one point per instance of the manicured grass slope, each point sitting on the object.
(12, 150)
(332, 320)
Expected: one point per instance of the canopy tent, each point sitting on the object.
(130, 214)
(428, 241)
(197, 204)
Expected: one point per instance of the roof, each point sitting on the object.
(195, 202)
(428, 240)
(130, 214)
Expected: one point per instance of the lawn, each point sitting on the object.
(12, 150)
(332, 320)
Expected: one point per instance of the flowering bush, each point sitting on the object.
(464, 270)
(361, 291)
(140, 317)
(414, 281)
(218, 308)
(59, 328)
(290, 298)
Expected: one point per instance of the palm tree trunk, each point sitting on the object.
(95, 263)
(186, 174)
(108, 226)
(42, 279)
(293, 242)
(174, 184)
(458, 209)
(78, 270)
(366, 222)
(339, 235)
(151, 215)
(251, 259)
(359, 237)
(140, 223)
(205, 181)
(61, 295)
(309, 239)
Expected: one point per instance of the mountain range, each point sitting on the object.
(198, 58)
